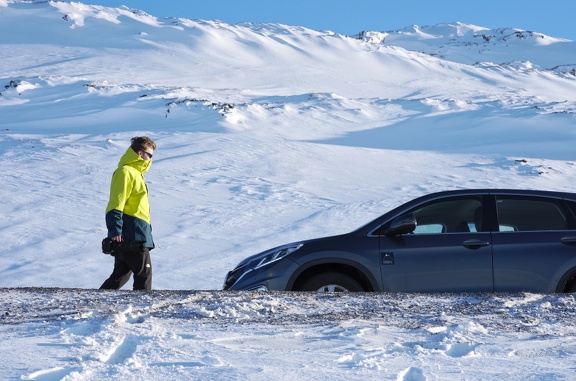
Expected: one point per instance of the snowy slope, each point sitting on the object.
(266, 134)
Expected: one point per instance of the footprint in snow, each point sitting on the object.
(211, 361)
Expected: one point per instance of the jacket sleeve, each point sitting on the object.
(114, 223)
(120, 189)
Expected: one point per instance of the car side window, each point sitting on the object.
(572, 205)
(453, 215)
(523, 213)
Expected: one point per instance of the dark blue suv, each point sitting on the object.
(488, 240)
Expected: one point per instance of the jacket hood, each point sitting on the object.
(132, 159)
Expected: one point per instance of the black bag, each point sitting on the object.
(112, 247)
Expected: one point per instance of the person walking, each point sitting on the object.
(128, 218)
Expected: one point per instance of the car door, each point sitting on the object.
(535, 244)
(448, 252)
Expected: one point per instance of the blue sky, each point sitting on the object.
(552, 17)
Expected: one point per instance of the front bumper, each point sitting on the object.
(269, 278)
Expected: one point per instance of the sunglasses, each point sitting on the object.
(147, 153)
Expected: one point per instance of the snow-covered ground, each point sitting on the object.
(266, 134)
(55, 334)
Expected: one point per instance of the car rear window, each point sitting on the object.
(530, 214)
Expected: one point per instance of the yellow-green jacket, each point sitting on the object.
(128, 210)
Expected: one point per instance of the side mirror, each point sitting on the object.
(402, 225)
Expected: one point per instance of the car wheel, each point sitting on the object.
(572, 288)
(332, 282)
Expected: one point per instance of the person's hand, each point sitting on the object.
(118, 238)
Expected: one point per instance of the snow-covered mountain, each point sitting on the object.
(129, 46)
(266, 134)
(471, 44)
(254, 120)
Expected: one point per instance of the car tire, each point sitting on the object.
(332, 282)
(571, 289)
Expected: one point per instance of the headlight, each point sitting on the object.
(257, 261)
(275, 254)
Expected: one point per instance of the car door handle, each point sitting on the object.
(570, 240)
(475, 244)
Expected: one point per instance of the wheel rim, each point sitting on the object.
(332, 288)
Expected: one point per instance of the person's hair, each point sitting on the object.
(141, 143)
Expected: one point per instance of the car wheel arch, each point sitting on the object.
(353, 269)
(567, 282)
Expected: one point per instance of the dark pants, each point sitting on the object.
(126, 263)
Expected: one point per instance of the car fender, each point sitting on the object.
(358, 262)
